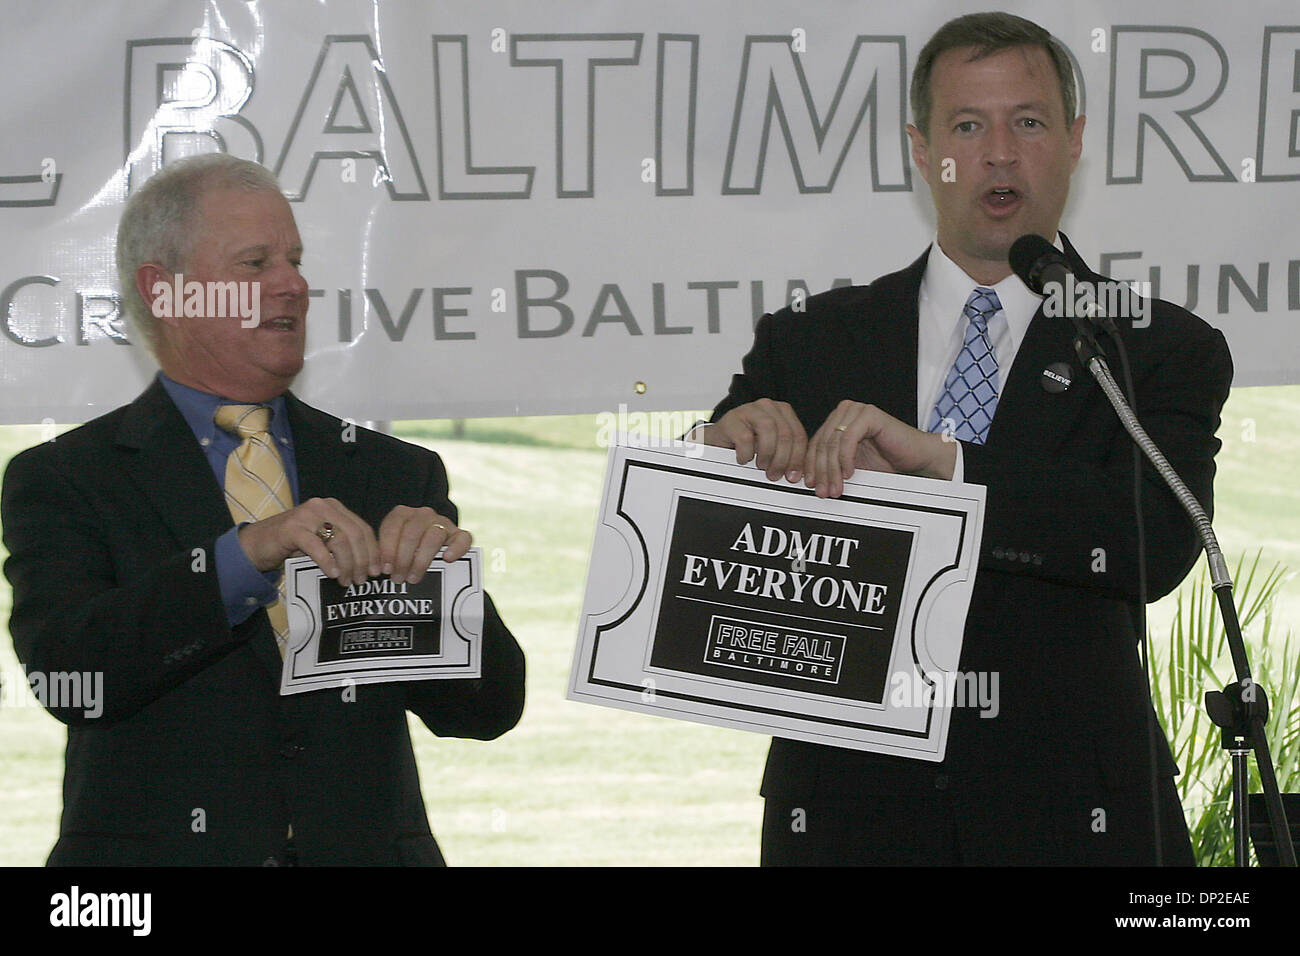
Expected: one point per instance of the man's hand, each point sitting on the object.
(765, 430)
(410, 537)
(408, 540)
(350, 556)
(862, 436)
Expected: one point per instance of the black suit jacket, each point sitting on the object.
(1055, 598)
(196, 758)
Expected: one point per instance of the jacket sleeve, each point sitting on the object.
(759, 376)
(1069, 518)
(74, 615)
(482, 708)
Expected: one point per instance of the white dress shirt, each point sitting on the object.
(941, 329)
(945, 287)
(941, 305)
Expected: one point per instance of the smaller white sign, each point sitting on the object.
(717, 596)
(382, 630)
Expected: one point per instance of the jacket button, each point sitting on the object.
(1024, 557)
(289, 751)
(997, 553)
(941, 782)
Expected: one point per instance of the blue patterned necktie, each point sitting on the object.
(970, 392)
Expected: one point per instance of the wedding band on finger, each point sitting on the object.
(841, 428)
(325, 532)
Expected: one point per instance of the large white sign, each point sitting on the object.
(570, 206)
(717, 596)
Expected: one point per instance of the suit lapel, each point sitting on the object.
(159, 453)
(325, 451)
(880, 367)
(1027, 413)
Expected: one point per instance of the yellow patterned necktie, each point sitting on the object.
(257, 486)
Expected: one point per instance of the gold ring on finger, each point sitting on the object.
(325, 532)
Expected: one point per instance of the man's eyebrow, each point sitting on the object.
(1039, 106)
(262, 248)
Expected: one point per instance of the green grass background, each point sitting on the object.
(575, 784)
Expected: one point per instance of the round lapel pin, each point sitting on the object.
(1057, 377)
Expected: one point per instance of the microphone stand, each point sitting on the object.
(1242, 707)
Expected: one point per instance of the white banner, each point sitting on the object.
(568, 206)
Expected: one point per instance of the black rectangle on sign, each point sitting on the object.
(780, 600)
(380, 618)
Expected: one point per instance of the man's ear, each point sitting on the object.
(1076, 140)
(920, 151)
(154, 283)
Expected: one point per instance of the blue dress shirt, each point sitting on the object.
(243, 588)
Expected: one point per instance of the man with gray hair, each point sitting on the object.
(146, 547)
(940, 370)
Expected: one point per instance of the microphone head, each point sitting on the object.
(1029, 255)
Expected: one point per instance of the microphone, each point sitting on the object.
(1037, 262)
(1044, 269)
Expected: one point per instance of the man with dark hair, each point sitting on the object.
(146, 548)
(984, 34)
(957, 345)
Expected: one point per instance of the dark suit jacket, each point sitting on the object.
(196, 758)
(1055, 599)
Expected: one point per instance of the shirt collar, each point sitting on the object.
(200, 409)
(947, 287)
